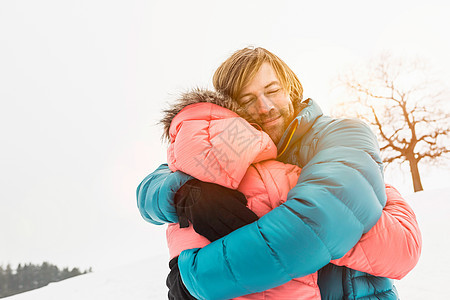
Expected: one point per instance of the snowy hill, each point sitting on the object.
(141, 280)
(146, 279)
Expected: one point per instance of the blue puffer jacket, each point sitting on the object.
(339, 196)
(310, 132)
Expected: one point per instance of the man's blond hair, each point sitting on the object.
(240, 68)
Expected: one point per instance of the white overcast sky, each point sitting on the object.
(82, 84)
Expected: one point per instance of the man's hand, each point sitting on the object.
(213, 210)
(177, 290)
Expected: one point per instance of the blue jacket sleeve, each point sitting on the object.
(339, 196)
(155, 195)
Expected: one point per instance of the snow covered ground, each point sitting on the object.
(136, 281)
(146, 279)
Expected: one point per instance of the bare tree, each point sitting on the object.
(405, 106)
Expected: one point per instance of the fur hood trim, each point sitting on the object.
(192, 97)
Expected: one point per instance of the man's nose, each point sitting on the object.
(264, 105)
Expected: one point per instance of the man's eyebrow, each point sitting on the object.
(267, 86)
(272, 83)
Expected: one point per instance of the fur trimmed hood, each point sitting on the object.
(194, 96)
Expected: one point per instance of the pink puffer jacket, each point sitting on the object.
(214, 144)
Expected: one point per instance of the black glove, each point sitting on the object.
(177, 289)
(213, 210)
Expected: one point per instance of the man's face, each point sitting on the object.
(267, 103)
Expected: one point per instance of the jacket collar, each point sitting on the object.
(299, 126)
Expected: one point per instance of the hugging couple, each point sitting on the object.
(267, 198)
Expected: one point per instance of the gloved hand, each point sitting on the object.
(213, 210)
(177, 289)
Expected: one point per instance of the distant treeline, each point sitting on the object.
(30, 276)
